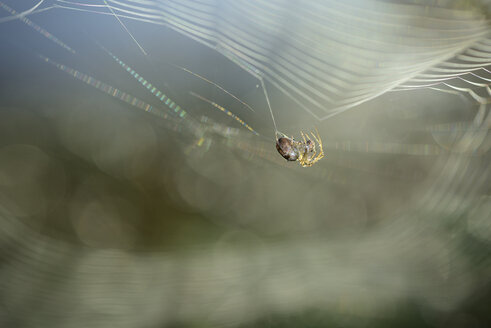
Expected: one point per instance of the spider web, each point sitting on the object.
(350, 233)
(327, 56)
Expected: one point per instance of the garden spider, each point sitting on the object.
(303, 152)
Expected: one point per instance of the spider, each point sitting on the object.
(303, 152)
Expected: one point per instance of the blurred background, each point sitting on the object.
(125, 201)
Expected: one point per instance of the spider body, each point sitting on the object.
(302, 151)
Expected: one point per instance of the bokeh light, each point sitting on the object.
(125, 201)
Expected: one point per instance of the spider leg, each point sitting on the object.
(315, 160)
(312, 159)
(321, 153)
(317, 138)
(306, 160)
(303, 136)
(320, 156)
(320, 140)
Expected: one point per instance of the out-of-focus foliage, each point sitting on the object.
(113, 217)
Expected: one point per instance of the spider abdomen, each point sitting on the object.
(287, 148)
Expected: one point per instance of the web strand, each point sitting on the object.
(269, 105)
(213, 83)
(126, 29)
